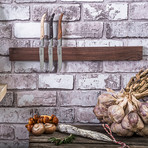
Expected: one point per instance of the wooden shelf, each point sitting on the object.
(80, 54)
(3, 90)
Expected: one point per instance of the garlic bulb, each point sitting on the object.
(144, 131)
(106, 100)
(122, 110)
(119, 130)
(116, 112)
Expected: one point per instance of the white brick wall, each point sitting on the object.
(52, 81)
(14, 12)
(72, 93)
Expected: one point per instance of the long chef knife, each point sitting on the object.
(50, 47)
(41, 49)
(59, 48)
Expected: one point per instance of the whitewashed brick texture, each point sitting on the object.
(86, 115)
(8, 100)
(71, 11)
(5, 1)
(82, 0)
(53, 81)
(7, 43)
(5, 64)
(127, 29)
(111, 11)
(78, 98)
(5, 30)
(139, 11)
(39, 98)
(19, 81)
(98, 81)
(134, 66)
(33, 1)
(14, 12)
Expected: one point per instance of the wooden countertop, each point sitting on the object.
(3, 90)
(80, 142)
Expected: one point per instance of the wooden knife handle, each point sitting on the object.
(42, 26)
(60, 27)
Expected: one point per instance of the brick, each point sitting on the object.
(82, 67)
(82, 0)
(138, 42)
(7, 43)
(6, 1)
(125, 66)
(85, 115)
(54, 81)
(22, 144)
(7, 132)
(98, 81)
(8, 144)
(111, 11)
(14, 12)
(126, 29)
(64, 114)
(5, 30)
(36, 98)
(70, 30)
(28, 30)
(33, 1)
(138, 11)
(15, 81)
(117, 11)
(98, 43)
(28, 67)
(21, 132)
(78, 98)
(125, 78)
(15, 115)
(5, 64)
(71, 11)
(83, 30)
(8, 100)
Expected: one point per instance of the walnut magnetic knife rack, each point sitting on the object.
(59, 53)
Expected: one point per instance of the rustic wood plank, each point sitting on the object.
(3, 90)
(80, 54)
(134, 141)
(48, 145)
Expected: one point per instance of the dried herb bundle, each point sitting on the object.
(59, 141)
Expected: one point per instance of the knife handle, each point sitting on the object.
(42, 26)
(51, 26)
(60, 27)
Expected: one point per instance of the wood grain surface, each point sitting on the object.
(80, 54)
(80, 142)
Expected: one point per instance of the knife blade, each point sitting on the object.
(59, 47)
(50, 47)
(41, 49)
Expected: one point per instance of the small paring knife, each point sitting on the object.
(41, 49)
(59, 47)
(50, 47)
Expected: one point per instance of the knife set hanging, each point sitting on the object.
(50, 47)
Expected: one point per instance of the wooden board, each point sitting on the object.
(80, 54)
(80, 142)
(3, 90)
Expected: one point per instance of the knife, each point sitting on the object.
(59, 47)
(41, 49)
(50, 47)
